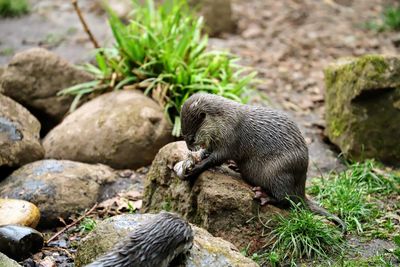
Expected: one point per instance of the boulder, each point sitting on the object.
(59, 188)
(217, 201)
(217, 15)
(15, 211)
(35, 76)
(123, 129)
(7, 262)
(19, 135)
(363, 107)
(206, 251)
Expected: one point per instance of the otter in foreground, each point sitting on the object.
(267, 146)
(155, 242)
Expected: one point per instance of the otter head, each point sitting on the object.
(201, 118)
(193, 115)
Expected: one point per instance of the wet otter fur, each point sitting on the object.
(267, 146)
(155, 242)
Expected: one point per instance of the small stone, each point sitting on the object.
(19, 242)
(15, 211)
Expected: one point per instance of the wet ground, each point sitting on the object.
(288, 42)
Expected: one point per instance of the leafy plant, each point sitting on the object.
(302, 234)
(390, 20)
(11, 8)
(87, 225)
(162, 51)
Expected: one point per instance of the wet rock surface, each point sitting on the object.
(7, 262)
(123, 129)
(19, 135)
(59, 188)
(34, 77)
(218, 202)
(15, 211)
(206, 251)
(363, 107)
(19, 242)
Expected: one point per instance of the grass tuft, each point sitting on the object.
(354, 194)
(301, 234)
(162, 51)
(389, 21)
(12, 8)
(87, 225)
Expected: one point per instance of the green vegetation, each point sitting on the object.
(163, 52)
(87, 225)
(390, 20)
(12, 8)
(354, 196)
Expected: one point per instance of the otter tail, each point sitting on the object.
(317, 209)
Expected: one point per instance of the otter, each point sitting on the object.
(155, 242)
(266, 145)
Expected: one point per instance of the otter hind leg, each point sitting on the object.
(264, 198)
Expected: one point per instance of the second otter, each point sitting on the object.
(266, 145)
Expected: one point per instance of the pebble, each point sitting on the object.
(15, 211)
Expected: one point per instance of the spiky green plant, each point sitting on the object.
(11, 8)
(162, 51)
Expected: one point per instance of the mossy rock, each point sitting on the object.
(218, 201)
(363, 107)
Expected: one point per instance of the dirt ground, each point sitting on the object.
(289, 42)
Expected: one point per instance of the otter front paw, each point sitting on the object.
(193, 173)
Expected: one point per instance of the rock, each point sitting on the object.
(19, 135)
(19, 242)
(123, 129)
(15, 211)
(7, 262)
(34, 77)
(58, 188)
(220, 203)
(363, 107)
(217, 15)
(1, 88)
(206, 251)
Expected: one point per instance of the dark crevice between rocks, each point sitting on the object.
(372, 95)
(46, 121)
(5, 171)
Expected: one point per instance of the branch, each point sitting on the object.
(71, 224)
(85, 26)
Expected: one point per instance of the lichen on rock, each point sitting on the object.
(362, 113)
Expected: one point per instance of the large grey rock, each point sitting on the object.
(218, 202)
(206, 251)
(19, 135)
(363, 107)
(123, 129)
(7, 262)
(35, 76)
(58, 188)
(217, 15)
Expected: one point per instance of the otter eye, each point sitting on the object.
(202, 115)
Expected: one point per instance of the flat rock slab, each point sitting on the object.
(7, 262)
(19, 135)
(206, 251)
(15, 211)
(363, 107)
(35, 76)
(59, 188)
(122, 129)
(218, 202)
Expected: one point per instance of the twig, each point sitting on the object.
(71, 224)
(85, 26)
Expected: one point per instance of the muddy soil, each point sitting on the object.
(289, 42)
